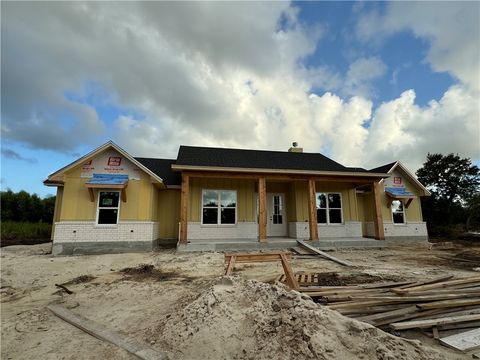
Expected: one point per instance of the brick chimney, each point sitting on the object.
(295, 148)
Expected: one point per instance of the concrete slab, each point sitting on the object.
(276, 244)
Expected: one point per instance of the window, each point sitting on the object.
(398, 212)
(219, 207)
(108, 206)
(329, 208)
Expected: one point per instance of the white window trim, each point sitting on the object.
(327, 208)
(404, 212)
(105, 207)
(219, 212)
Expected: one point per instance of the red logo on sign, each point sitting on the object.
(397, 180)
(114, 161)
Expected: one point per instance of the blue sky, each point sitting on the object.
(365, 83)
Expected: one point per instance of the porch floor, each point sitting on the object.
(276, 243)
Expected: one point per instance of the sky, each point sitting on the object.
(365, 83)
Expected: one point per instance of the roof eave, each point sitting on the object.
(177, 167)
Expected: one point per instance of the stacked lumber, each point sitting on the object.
(442, 303)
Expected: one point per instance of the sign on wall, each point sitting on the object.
(395, 180)
(110, 162)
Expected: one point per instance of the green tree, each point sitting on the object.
(453, 181)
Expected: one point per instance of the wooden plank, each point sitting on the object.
(424, 298)
(184, 209)
(385, 284)
(330, 257)
(434, 322)
(449, 303)
(388, 314)
(301, 251)
(231, 264)
(312, 210)
(262, 210)
(464, 341)
(443, 284)
(464, 325)
(426, 282)
(436, 335)
(378, 218)
(100, 332)
(290, 279)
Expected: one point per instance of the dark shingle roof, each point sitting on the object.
(163, 168)
(258, 159)
(384, 168)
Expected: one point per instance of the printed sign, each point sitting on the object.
(110, 162)
(395, 180)
(114, 161)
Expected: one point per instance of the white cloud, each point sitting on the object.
(451, 28)
(212, 74)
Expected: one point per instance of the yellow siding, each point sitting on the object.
(169, 213)
(414, 211)
(245, 196)
(57, 210)
(78, 207)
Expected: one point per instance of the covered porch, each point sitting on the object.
(272, 210)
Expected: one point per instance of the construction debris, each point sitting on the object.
(438, 304)
(464, 341)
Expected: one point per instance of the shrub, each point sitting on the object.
(17, 233)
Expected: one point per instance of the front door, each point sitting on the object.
(277, 215)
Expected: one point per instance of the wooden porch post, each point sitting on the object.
(184, 208)
(378, 218)
(312, 210)
(262, 210)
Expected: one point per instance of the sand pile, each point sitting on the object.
(245, 319)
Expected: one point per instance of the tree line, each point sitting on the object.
(455, 186)
(24, 207)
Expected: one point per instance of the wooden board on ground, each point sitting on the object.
(100, 332)
(302, 251)
(325, 255)
(464, 341)
(433, 322)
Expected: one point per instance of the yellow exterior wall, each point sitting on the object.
(414, 211)
(77, 206)
(168, 213)
(246, 207)
(57, 210)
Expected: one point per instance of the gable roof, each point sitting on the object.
(163, 168)
(389, 168)
(52, 181)
(193, 156)
(384, 168)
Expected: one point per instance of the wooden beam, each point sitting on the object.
(378, 218)
(433, 322)
(330, 257)
(255, 175)
(101, 332)
(289, 276)
(409, 201)
(92, 194)
(231, 264)
(312, 210)
(262, 210)
(184, 208)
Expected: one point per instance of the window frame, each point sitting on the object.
(403, 212)
(108, 207)
(327, 208)
(219, 208)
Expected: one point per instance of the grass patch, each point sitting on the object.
(24, 233)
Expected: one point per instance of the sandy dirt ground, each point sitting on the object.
(137, 303)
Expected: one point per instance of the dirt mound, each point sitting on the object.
(247, 319)
(146, 272)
